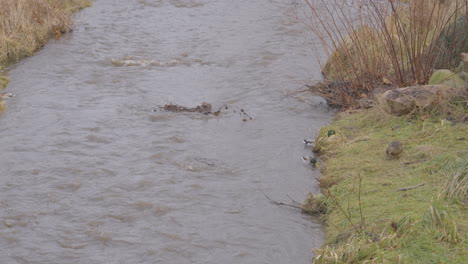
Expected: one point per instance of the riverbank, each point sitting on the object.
(406, 210)
(27, 25)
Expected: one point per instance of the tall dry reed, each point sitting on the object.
(26, 25)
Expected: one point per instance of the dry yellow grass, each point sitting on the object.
(26, 25)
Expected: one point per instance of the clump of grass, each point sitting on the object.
(26, 25)
(456, 183)
(3, 82)
(371, 44)
(327, 137)
(372, 222)
(315, 204)
(443, 228)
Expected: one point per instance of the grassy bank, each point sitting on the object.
(26, 25)
(410, 209)
(369, 220)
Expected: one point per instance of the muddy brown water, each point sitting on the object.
(90, 174)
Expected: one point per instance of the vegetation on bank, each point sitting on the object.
(27, 25)
(410, 209)
(377, 45)
(368, 219)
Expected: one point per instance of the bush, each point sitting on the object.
(387, 44)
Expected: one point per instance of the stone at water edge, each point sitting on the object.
(403, 101)
(446, 77)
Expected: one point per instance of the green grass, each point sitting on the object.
(427, 224)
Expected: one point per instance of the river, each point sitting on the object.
(91, 173)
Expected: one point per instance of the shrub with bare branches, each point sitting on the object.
(384, 44)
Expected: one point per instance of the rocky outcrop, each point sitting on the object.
(403, 101)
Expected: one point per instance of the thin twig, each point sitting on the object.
(409, 188)
(360, 204)
(280, 203)
(292, 200)
(416, 161)
(335, 200)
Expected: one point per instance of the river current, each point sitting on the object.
(92, 171)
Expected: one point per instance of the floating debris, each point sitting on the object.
(308, 142)
(205, 108)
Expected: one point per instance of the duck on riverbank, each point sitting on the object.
(395, 148)
(310, 160)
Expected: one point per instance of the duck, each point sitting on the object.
(394, 149)
(6, 95)
(331, 132)
(308, 142)
(310, 160)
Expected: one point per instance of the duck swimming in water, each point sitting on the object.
(310, 160)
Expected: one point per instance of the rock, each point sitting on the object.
(403, 101)
(448, 78)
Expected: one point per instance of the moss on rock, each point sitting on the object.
(446, 77)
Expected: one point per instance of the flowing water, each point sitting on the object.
(91, 174)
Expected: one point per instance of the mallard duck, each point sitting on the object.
(6, 95)
(395, 148)
(308, 142)
(330, 132)
(310, 160)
